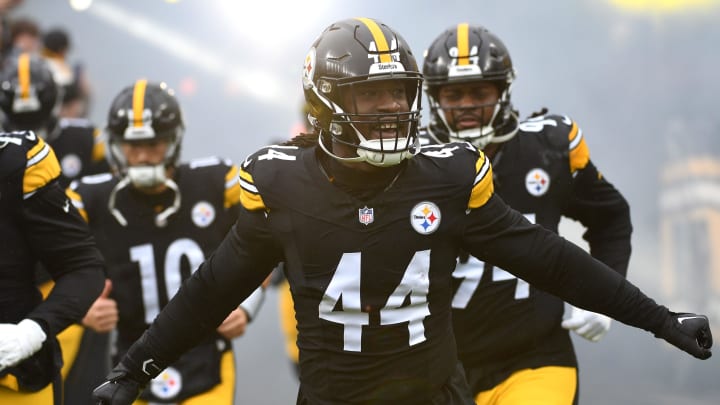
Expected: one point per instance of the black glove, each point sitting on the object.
(121, 388)
(689, 332)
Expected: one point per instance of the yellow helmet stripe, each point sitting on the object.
(24, 75)
(139, 102)
(379, 38)
(463, 44)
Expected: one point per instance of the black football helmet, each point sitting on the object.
(29, 96)
(348, 53)
(140, 113)
(463, 54)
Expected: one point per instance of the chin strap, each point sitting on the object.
(161, 218)
(111, 201)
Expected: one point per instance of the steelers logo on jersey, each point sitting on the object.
(425, 218)
(71, 165)
(203, 214)
(537, 182)
(167, 384)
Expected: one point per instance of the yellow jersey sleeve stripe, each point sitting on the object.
(98, 150)
(579, 151)
(483, 186)
(232, 187)
(249, 196)
(379, 38)
(463, 41)
(77, 202)
(42, 168)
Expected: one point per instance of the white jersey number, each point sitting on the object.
(345, 286)
(471, 274)
(144, 256)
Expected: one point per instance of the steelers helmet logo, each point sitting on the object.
(203, 214)
(309, 68)
(537, 182)
(425, 218)
(71, 165)
(167, 384)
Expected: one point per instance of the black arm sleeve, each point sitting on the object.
(65, 246)
(502, 236)
(600, 207)
(239, 265)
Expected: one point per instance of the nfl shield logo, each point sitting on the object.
(366, 216)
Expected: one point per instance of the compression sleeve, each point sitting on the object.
(61, 239)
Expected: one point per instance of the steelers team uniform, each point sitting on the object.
(80, 151)
(38, 224)
(371, 277)
(79, 148)
(147, 264)
(502, 324)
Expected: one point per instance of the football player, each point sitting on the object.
(38, 224)
(369, 227)
(511, 336)
(155, 221)
(29, 100)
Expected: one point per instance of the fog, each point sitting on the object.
(642, 82)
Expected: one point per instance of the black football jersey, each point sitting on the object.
(147, 263)
(355, 303)
(79, 149)
(38, 224)
(372, 278)
(502, 323)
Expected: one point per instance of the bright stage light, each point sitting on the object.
(80, 5)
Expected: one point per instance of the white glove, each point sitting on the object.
(590, 325)
(19, 341)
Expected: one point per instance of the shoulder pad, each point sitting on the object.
(563, 134)
(75, 122)
(41, 164)
(205, 162)
(249, 195)
(94, 179)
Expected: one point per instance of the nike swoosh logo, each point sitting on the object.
(246, 162)
(685, 318)
(30, 136)
(66, 207)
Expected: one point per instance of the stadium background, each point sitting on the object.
(640, 77)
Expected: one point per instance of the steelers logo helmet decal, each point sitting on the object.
(167, 384)
(425, 218)
(537, 182)
(203, 214)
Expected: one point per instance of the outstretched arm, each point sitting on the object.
(502, 236)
